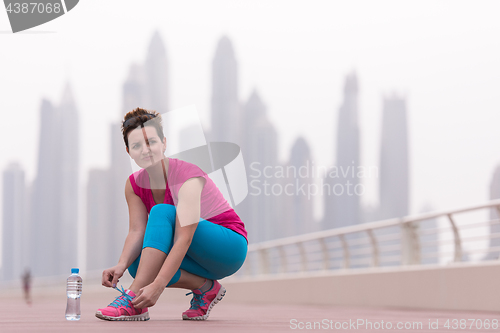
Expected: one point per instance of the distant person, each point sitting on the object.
(26, 279)
(168, 244)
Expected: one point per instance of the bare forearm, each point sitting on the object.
(172, 262)
(132, 248)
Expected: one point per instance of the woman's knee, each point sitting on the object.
(160, 228)
(231, 269)
(162, 213)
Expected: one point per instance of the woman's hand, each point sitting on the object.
(111, 275)
(148, 295)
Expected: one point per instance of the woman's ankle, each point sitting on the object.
(206, 285)
(133, 289)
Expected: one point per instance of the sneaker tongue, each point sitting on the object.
(130, 292)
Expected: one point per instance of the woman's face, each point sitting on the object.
(145, 146)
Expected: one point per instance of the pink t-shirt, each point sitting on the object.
(213, 207)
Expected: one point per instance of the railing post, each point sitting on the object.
(324, 249)
(303, 258)
(346, 251)
(495, 229)
(416, 242)
(409, 244)
(248, 266)
(284, 264)
(458, 242)
(373, 241)
(264, 261)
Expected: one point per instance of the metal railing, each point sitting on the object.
(411, 240)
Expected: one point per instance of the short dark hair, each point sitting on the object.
(140, 117)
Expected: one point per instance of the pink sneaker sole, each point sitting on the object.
(141, 317)
(220, 295)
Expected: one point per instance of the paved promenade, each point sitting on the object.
(46, 314)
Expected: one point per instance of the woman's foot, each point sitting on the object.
(122, 309)
(203, 301)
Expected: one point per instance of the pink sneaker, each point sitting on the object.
(122, 309)
(202, 303)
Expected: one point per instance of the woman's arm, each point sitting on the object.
(188, 216)
(138, 218)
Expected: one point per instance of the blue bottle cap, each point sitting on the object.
(75, 271)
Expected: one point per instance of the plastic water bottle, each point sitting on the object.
(73, 291)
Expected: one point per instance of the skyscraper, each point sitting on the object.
(156, 76)
(301, 204)
(69, 188)
(107, 220)
(45, 214)
(100, 226)
(260, 148)
(54, 200)
(134, 95)
(394, 167)
(146, 87)
(226, 113)
(342, 204)
(134, 90)
(394, 178)
(14, 240)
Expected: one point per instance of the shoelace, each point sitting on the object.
(197, 300)
(122, 300)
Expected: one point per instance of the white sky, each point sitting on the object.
(442, 55)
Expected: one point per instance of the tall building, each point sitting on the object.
(394, 178)
(156, 76)
(45, 214)
(68, 153)
(394, 166)
(100, 226)
(54, 199)
(109, 219)
(134, 95)
(259, 147)
(14, 241)
(134, 90)
(342, 204)
(495, 226)
(301, 204)
(146, 87)
(226, 113)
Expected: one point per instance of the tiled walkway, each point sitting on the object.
(46, 314)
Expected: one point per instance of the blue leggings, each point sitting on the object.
(215, 251)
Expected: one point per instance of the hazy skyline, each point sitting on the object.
(440, 56)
